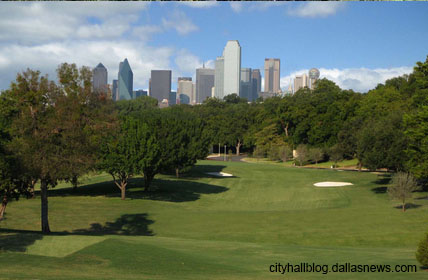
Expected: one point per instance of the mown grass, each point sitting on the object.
(203, 227)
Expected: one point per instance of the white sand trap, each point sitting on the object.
(332, 184)
(220, 174)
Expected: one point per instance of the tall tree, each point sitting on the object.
(54, 125)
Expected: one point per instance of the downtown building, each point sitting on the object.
(204, 83)
(99, 76)
(246, 86)
(124, 90)
(301, 81)
(272, 75)
(228, 70)
(160, 85)
(256, 80)
(185, 90)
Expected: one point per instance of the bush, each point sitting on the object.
(316, 155)
(422, 252)
(259, 152)
(273, 153)
(285, 153)
(302, 155)
(336, 154)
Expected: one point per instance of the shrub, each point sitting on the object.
(302, 155)
(422, 252)
(316, 155)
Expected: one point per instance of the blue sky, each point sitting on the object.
(355, 44)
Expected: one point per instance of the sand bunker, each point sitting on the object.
(332, 184)
(220, 174)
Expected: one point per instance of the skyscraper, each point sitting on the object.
(314, 75)
(160, 84)
(204, 83)
(257, 84)
(272, 75)
(232, 68)
(219, 77)
(99, 75)
(184, 87)
(114, 93)
(246, 84)
(125, 81)
(300, 82)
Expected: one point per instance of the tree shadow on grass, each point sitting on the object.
(128, 224)
(16, 240)
(408, 206)
(382, 179)
(174, 190)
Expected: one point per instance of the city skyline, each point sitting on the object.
(345, 41)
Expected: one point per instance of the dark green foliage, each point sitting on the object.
(381, 144)
(182, 138)
(417, 138)
(422, 252)
(128, 151)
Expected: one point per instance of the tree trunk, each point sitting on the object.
(176, 173)
(286, 130)
(219, 150)
(3, 206)
(44, 198)
(123, 191)
(32, 192)
(74, 182)
(147, 180)
(403, 206)
(237, 148)
(359, 166)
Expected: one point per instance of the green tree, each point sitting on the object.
(416, 125)
(422, 252)
(49, 136)
(128, 151)
(403, 186)
(182, 138)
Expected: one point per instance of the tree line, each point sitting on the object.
(58, 131)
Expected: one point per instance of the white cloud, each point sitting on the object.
(180, 22)
(47, 57)
(236, 6)
(35, 22)
(199, 4)
(316, 9)
(144, 32)
(358, 79)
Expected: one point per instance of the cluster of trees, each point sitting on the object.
(57, 131)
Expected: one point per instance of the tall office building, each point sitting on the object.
(204, 83)
(172, 100)
(300, 82)
(184, 87)
(232, 68)
(272, 75)
(314, 75)
(246, 84)
(160, 84)
(257, 84)
(99, 75)
(193, 99)
(125, 81)
(219, 78)
(114, 93)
